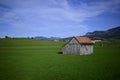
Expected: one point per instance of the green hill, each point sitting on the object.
(110, 34)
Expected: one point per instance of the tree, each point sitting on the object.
(6, 37)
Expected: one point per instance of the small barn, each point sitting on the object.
(78, 45)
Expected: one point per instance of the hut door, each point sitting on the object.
(86, 49)
(78, 49)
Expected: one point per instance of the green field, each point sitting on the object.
(27, 59)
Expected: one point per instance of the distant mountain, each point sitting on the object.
(109, 34)
(46, 38)
(54, 38)
(41, 38)
(67, 38)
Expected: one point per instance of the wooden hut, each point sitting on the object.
(78, 45)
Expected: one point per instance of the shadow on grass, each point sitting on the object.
(117, 76)
(60, 52)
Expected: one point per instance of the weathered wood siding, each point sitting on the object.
(86, 49)
(73, 47)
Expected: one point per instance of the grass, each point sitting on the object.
(27, 59)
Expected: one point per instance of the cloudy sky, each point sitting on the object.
(58, 18)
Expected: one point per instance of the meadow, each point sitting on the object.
(28, 59)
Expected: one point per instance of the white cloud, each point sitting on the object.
(53, 14)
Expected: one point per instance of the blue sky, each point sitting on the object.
(58, 18)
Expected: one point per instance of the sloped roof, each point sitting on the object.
(84, 40)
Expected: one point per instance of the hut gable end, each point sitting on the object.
(73, 41)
